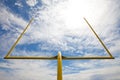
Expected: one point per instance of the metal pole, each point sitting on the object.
(55, 57)
(59, 67)
(13, 46)
(98, 38)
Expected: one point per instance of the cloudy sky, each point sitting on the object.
(59, 26)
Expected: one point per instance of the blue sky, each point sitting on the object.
(59, 26)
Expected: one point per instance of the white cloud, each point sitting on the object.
(27, 70)
(8, 22)
(58, 20)
(19, 4)
(19, 52)
(31, 2)
(107, 73)
(57, 24)
(8, 19)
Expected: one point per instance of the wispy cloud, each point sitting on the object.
(60, 23)
(12, 24)
(31, 2)
(26, 70)
(107, 73)
(19, 4)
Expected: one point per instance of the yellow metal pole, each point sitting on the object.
(13, 46)
(98, 38)
(59, 66)
(55, 57)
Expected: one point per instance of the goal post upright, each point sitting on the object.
(16, 42)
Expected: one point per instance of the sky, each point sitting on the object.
(58, 25)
